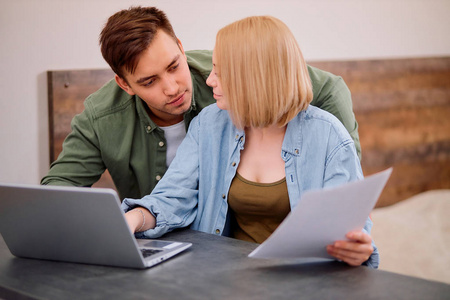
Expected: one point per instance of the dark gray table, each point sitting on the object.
(213, 268)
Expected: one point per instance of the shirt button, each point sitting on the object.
(223, 196)
(296, 151)
(233, 164)
(158, 177)
(217, 231)
(149, 128)
(161, 143)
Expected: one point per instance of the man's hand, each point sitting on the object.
(356, 250)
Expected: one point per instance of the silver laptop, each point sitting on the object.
(72, 224)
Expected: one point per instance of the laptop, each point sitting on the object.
(75, 224)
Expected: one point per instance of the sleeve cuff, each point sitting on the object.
(128, 204)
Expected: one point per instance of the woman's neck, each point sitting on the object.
(261, 157)
(270, 132)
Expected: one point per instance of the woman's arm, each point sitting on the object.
(359, 248)
(173, 202)
(140, 219)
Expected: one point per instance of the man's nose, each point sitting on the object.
(170, 85)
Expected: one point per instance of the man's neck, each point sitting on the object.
(163, 121)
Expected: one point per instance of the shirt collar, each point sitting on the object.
(194, 95)
(144, 118)
(293, 138)
(239, 137)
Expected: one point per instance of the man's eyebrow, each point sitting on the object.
(144, 79)
(173, 61)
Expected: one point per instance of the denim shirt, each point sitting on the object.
(317, 150)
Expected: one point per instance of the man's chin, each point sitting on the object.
(180, 110)
(185, 106)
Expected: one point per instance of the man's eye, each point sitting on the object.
(175, 67)
(149, 83)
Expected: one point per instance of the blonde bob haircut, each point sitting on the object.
(262, 72)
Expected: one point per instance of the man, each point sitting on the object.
(133, 125)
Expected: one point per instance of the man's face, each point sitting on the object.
(162, 80)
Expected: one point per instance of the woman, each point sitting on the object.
(246, 161)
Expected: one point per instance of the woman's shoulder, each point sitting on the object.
(212, 113)
(210, 119)
(212, 124)
(319, 118)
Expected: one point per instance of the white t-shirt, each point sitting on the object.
(174, 135)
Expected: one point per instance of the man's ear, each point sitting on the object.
(181, 46)
(124, 85)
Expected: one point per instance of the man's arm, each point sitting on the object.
(332, 94)
(80, 162)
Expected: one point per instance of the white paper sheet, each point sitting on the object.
(322, 217)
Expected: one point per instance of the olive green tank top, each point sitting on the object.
(258, 208)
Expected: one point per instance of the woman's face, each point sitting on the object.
(213, 81)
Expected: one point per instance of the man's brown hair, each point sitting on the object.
(130, 32)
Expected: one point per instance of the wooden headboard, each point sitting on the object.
(67, 91)
(402, 107)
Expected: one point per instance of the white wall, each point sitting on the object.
(36, 36)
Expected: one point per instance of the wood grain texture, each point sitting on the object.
(67, 91)
(403, 110)
(402, 107)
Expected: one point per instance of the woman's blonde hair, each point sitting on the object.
(262, 72)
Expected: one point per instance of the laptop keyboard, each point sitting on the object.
(149, 252)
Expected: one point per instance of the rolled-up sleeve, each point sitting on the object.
(174, 200)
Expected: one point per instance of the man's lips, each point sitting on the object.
(178, 100)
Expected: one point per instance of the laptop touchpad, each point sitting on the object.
(161, 244)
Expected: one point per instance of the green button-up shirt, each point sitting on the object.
(115, 132)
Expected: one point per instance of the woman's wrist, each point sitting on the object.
(143, 220)
(135, 219)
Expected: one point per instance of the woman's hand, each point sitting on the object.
(140, 219)
(356, 250)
